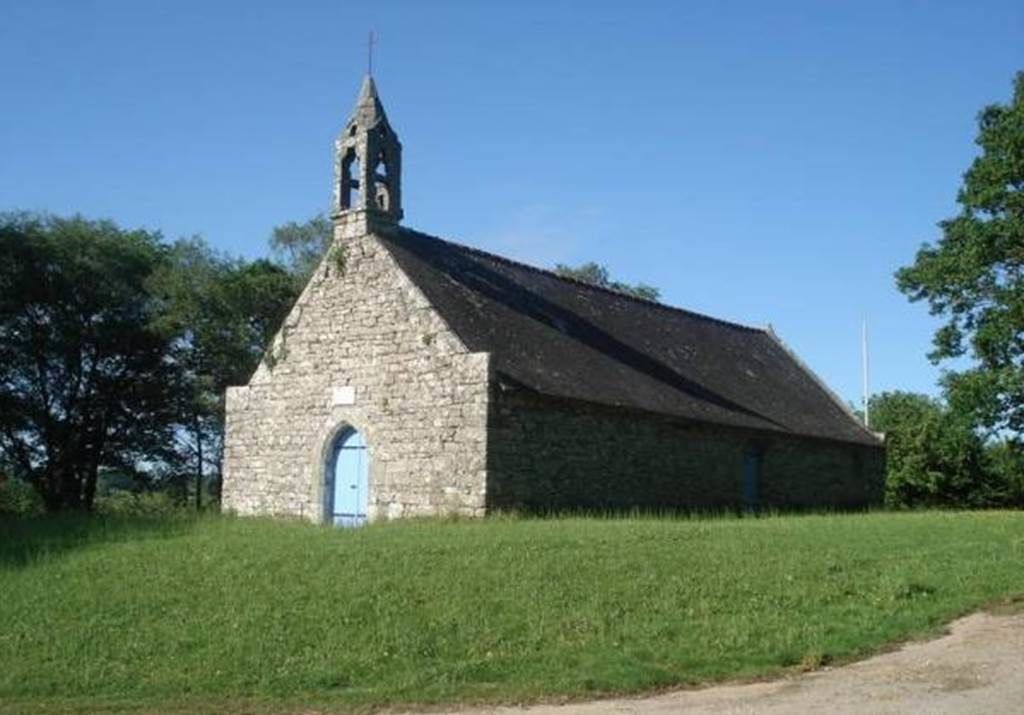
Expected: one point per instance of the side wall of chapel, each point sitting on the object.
(548, 454)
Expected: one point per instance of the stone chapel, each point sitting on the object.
(417, 376)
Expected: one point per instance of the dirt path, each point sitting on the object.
(977, 668)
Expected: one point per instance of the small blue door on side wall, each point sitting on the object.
(752, 480)
(347, 488)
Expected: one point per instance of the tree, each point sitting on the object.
(934, 457)
(84, 378)
(116, 349)
(192, 317)
(596, 274)
(974, 277)
(1004, 460)
(300, 246)
(218, 314)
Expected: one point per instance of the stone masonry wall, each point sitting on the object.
(361, 348)
(547, 454)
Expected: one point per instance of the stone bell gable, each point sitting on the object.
(362, 351)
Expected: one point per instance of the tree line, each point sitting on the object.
(115, 350)
(966, 448)
(116, 346)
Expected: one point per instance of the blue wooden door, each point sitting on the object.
(752, 480)
(347, 488)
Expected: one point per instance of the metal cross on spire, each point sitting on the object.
(369, 53)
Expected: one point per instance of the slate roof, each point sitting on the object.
(568, 339)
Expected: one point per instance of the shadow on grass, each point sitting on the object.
(663, 513)
(24, 541)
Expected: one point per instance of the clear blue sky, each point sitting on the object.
(761, 162)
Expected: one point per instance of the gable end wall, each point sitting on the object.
(420, 398)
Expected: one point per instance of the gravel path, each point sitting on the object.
(978, 667)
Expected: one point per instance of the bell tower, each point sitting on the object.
(367, 164)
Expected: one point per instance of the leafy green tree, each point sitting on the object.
(85, 384)
(191, 315)
(219, 314)
(598, 275)
(934, 457)
(300, 246)
(974, 277)
(1004, 460)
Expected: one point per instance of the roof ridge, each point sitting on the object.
(547, 272)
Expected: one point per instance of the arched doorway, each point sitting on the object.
(346, 487)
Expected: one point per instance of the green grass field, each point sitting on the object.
(232, 615)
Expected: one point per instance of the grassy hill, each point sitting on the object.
(232, 615)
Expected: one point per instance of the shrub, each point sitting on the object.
(144, 504)
(1005, 461)
(18, 498)
(934, 457)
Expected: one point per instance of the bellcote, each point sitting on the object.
(368, 161)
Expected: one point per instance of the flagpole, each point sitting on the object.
(864, 363)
